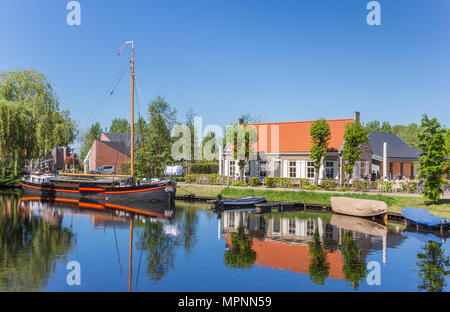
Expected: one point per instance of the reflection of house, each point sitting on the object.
(111, 149)
(293, 257)
(284, 242)
(282, 229)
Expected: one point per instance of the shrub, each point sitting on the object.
(313, 187)
(204, 168)
(211, 179)
(343, 189)
(359, 185)
(385, 186)
(239, 183)
(329, 185)
(269, 182)
(253, 181)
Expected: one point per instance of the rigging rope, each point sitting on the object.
(98, 108)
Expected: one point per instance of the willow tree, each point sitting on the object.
(30, 247)
(320, 136)
(31, 122)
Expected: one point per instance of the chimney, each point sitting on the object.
(240, 121)
(356, 116)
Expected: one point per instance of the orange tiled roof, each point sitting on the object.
(294, 137)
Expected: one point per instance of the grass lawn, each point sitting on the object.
(394, 203)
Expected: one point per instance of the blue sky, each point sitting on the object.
(284, 60)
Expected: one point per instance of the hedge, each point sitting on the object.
(253, 181)
(203, 168)
(286, 182)
(210, 179)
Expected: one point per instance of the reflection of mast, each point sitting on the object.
(219, 228)
(131, 254)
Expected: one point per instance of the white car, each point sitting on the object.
(105, 170)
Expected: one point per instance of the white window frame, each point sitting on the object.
(292, 169)
(309, 165)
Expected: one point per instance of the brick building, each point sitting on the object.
(111, 149)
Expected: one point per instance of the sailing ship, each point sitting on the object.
(103, 188)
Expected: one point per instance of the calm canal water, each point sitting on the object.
(193, 249)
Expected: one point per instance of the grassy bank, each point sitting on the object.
(394, 203)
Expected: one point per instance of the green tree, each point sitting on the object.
(94, 133)
(156, 152)
(240, 254)
(373, 126)
(386, 127)
(320, 135)
(31, 122)
(433, 158)
(120, 125)
(354, 269)
(319, 268)
(243, 140)
(408, 133)
(432, 263)
(355, 135)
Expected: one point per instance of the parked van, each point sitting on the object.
(107, 169)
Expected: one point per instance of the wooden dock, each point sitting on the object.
(271, 206)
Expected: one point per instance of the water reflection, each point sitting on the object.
(321, 245)
(31, 242)
(240, 253)
(159, 249)
(433, 265)
(155, 247)
(319, 269)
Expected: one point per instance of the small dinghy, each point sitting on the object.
(244, 202)
(358, 207)
(424, 218)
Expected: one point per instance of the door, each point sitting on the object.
(277, 168)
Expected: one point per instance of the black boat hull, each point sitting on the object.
(163, 192)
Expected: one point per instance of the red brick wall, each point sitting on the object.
(102, 154)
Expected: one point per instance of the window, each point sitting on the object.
(231, 220)
(362, 169)
(291, 226)
(329, 169)
(310, 170)
(292, 169)
(263, 169)
(232, 168)
(276, 225)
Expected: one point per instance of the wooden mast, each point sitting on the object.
(132, 112)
